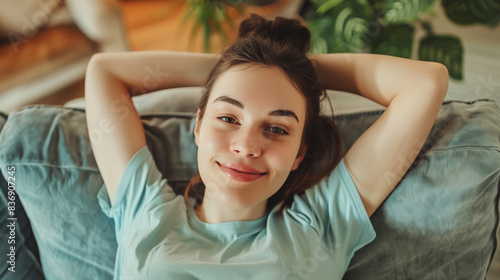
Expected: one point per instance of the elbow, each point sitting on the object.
(96, 62)
(432, 78)
(439, 78)
(93, 66)
(103, 62)
(96, 74)
(92, 72)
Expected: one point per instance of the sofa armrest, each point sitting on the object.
(101, 21)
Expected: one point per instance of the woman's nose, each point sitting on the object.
(247, 145)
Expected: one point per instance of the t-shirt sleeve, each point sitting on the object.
(334, 209)
(141, 187)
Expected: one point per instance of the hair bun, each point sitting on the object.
(283, 30)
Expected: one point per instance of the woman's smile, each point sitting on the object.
(240, 173)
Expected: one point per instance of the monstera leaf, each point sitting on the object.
(473, 11)
(396, 40)
(387, 27)
(399, 11)
(321, 33)
(447, 50)
(341, 29)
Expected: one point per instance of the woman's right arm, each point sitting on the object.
(114, 126)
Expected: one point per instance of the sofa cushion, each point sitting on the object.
(441, 220)
(439, 223)
(23, 262)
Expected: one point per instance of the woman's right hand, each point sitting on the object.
(115, 128)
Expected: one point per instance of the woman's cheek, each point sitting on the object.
(216, 141)
(281, 157)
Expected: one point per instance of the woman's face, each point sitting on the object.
(250, 135)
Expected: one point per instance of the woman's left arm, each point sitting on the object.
(412, 91)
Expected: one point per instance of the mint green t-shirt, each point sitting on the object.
(159, 237)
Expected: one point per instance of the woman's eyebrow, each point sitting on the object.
(229, 100)
(284, 113)
(279, 113)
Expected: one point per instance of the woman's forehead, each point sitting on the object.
(259, 85)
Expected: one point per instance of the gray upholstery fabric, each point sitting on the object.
(439, 223)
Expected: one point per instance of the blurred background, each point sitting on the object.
(45, 45)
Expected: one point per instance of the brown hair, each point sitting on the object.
(284, 43)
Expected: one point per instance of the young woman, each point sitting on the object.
(261, 207)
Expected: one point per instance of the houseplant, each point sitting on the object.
(215, 18)
(388, 27)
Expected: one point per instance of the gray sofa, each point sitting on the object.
(439, 223)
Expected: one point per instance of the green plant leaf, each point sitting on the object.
(206, 37)
(328, 5)
(445, 49)
(321, 33)
(341, 29)
(466, 12)
(395, 40)
(209, 17)
(318, 3)
(377, 5)
(401, 11)
(196, 28)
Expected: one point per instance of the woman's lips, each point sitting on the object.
(241, 173)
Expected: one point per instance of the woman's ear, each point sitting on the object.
(197, 127)
(300, 157)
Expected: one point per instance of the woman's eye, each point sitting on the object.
(227, 119)
(277, 130)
